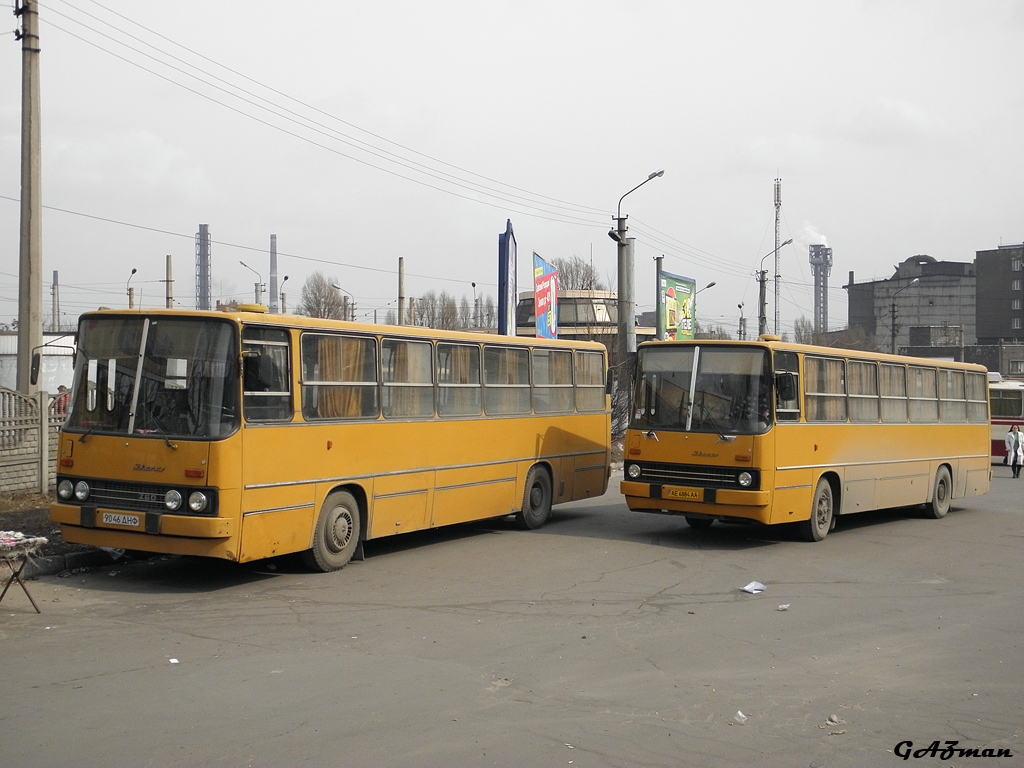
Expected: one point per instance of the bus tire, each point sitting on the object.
(536, 499)
(337, 533)
(822, 516)
(700, 523)
(942, 494)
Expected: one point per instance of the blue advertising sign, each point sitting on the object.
(507, 285)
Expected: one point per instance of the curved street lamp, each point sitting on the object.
(693, 309)
(892, 314)
(346, 307)
(762, 278)
(625, 302)
(259, 282)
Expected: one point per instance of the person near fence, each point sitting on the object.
(60, 404)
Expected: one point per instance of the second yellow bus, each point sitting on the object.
(771, 432)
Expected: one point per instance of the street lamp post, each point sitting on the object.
(347, 308)
(284, 310)
(259, 282)
(892, 314)
(693, 309)
(762, 278)
(626, 303)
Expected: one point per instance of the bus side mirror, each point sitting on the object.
(34, 370)
(785, 383)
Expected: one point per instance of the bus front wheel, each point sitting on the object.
(337, 533)
(941, 493)
(536, 499)
(822, 513)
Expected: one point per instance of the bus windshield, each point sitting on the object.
(703, 389)
(159, 376)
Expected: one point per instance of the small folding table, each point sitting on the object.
(15, 550)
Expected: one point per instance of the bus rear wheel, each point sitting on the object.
(822, 513)
(941, 493)
(700, 523)
(337, 533)
(536, 499)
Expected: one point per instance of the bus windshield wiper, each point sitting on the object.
(160, 428)
(88, 432)
(707, 416)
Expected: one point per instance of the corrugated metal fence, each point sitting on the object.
(28, 440)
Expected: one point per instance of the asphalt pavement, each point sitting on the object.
(607, 638)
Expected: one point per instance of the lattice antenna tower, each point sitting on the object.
(821, 267)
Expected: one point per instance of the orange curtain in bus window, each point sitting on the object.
(342, 361)
(827, 401)
(408, 389)
(464, 371)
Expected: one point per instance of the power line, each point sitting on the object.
(318, 110)
(324, 131)
(226, 244)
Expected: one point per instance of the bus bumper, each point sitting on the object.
(165, 533)
(647, 497)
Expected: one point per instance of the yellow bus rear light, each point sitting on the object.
(194, 473)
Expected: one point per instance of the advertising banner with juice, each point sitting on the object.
(676, 302)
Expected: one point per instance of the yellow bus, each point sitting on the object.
(773, 432)
(245, 435)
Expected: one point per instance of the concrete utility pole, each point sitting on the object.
(169, 285)
(778, 210)
(401, 290)
(660, 320)
(55, 304)
(762, 279)
(30, 262)
(274, 289)
(626, 303)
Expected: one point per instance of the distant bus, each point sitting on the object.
(1007, 398)
(773, 432)
(246, 435)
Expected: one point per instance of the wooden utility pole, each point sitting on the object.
(30, 264)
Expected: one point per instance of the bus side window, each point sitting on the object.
(787, 387)
(266, 394)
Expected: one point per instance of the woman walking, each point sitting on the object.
(1015, 449)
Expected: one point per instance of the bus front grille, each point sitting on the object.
(139, 497)
(695, 475)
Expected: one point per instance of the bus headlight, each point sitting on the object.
(172, 500)
(65, 489)
(81, 490)
(197, 501)
(745, 479)
(633, 471)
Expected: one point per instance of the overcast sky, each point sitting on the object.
(359, 132)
